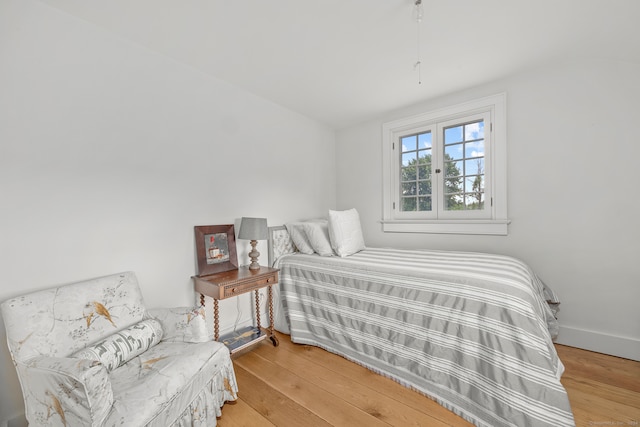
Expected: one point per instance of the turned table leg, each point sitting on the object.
(272, 335)
(258, 309)
(216, 330)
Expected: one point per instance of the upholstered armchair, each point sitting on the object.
(91, 354)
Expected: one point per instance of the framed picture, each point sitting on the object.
(215, 248)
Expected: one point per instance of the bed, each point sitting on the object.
(472, 331)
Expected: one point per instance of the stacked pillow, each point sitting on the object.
(316, 242)
(340, 235)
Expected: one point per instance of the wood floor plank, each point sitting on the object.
(599, 411)
(602, 391)
(373, 401)
(322, 403)
(273, 405)
(241, 414)
(602, 368)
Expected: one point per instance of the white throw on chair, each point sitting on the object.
(91, 354)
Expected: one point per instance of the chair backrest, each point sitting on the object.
(59, 321)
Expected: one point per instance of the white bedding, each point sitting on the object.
(473, 331)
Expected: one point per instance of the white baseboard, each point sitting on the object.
(629, 348)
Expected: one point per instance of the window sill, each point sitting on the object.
(491, 227)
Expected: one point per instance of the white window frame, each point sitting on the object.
(493, 219)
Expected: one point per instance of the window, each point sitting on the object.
(445, 171)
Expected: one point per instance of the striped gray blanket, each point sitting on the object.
(472, 331)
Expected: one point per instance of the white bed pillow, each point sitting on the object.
(345, 232)
(318, 235)
(299, 237)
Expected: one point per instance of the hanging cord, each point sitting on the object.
(238, 315)
(418, 64)
(418, 15)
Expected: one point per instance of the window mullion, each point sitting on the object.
(438, 165)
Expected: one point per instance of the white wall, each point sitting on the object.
(573, 156)
(110, 154)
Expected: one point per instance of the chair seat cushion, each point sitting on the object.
(155, 387)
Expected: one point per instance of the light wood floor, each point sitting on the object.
(296, 385)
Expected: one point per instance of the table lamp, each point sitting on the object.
(253, 229)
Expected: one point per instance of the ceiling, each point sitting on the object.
(345, 61)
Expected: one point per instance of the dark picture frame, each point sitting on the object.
(215, 248)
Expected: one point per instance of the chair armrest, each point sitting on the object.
(182, 324)
(66, 391)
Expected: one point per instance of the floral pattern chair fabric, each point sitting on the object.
(57, 341)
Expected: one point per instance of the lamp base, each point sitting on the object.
(253, 255)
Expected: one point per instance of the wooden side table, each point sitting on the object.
(228, 284)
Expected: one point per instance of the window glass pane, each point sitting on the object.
(424, 140)
(452, 135)
(453, 185)
(424, 172)
(474, 149)
(474, 183)
(408, 204)
(408, 188)
(408, 174)
(424, 188)
(454, 202)
(408, 143)
(474, 131)
(453, 152)
(424, 203)
(453, 169)
(474, 166)
(424, 156)
(408, 158)
(474, 201)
